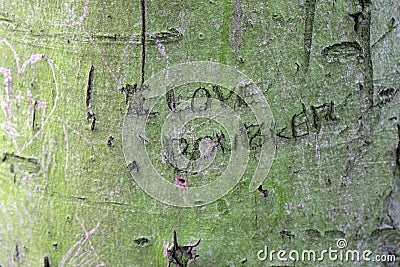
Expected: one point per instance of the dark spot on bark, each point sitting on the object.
(92, 116)
(142, 241)
(287, 234)
(297, 66)
(17, 253)
(328, 181)
(181, 181)
(110, 141)
(264, 192)
(46, 261)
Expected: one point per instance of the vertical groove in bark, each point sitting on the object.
(143, 39)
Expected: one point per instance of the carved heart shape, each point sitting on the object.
(26, 108)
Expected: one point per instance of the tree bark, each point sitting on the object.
(329, 70)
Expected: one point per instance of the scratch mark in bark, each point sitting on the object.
(318, 154)
(143, 39)
(171, 35)
(72, 15)
(7, 103)
(392, 27)
(30, 100)
(256, 213)
(50, 153)
(125, 60)
(398, 150)
(308, 32)
(17, 253)
(81, 252)
(10, 156)
(161, 49)
(390, 217)
(19, 97)
(75, 131)
(66, 150)
(39, 105)
(105, 62)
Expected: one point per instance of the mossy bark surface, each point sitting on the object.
(330, 72)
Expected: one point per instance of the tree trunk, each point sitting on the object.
(74, 71)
